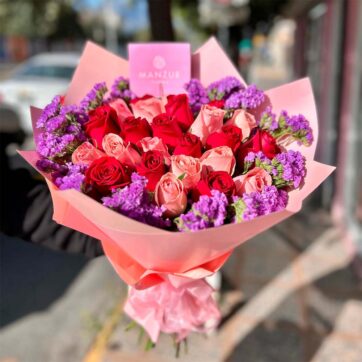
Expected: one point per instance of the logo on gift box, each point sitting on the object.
(159, 68)
(159, 62)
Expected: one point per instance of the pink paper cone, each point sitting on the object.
(143, 255)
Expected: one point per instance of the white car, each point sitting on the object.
(36, 82)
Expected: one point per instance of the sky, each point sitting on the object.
(133, 13)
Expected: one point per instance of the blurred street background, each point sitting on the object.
(292, 294)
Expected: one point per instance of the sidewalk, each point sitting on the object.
(63, 330)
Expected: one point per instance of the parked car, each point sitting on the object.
(36, 82)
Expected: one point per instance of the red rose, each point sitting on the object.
(166, 128)
(189, 145)
(106, 173)
(215, 180)
(102, 120)
(152, 167)
(230, 136)
(259, 141)
(268, 145)
(217, 103)
(134, 129)
(135, 100)
(178, 107)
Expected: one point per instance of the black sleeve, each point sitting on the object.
(26, 212)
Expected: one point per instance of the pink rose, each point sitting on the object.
(244, 120)
(155, 144)
(114, 146)
(253, 181)
(148, 108)
(121, 108)
(187, 166)
(170, 193)
(209, 120)
(86, 153)
(218, 159)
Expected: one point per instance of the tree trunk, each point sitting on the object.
(161, 20)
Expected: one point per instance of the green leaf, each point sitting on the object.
(130, 326)
(182, 176)
(149, 345)
(239, 207)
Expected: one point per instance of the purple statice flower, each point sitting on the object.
(291, 169)
(71, 179)
(268, 120)
(249, 98)
(300, 128)
(135, 202)
(50, 110)
(223, 88)
(68, 120)
(55, 123)
(95, 97)
(197, 95)
(120, 89)
(75, 114)
(288, 129)
(259, 160)
(253, 156)
(209, 211)
(62, 133)
(255, 204)
(45, 165)
(53, 146)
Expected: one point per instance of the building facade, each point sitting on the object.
(328, 48)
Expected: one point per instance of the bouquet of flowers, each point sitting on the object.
(172, 184)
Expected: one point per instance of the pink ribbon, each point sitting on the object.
(177, 306)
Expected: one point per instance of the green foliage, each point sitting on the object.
(39, 18)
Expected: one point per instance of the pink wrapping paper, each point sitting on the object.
(143, 255)
(174, 309)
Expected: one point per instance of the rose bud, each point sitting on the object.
(217, 103)
(244, 120)
(188, 168)
(102, 120)
(215, 180)
(106, 173)
(253, 181)
(178, 107)
(134, 129)
(259, 141)
(209, 120)
(218, 159)
(153, 167)
(189, 145)
(126, 153)
(155, 144)
(268, 145)
(121, 108)
(170, 194)
(147, 107)
(86, 153)
(167, 129)
(229, 136)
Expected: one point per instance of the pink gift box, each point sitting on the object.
(159, 68)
